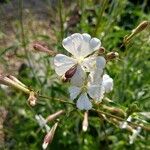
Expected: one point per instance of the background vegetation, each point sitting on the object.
(22, 22)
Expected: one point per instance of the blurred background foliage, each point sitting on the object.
(22, 22)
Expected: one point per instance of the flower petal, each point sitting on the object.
(107, 83)
(83, 102)
(78, 77)
(81, 45)
(74, 92)
(95, 44)
(89, 63)
(63, 63)
(73, 44)
(89, 45)
(96, 92)
(100, 62)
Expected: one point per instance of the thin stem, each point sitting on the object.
(57, 99)
(24, 41)
(103, 6)
(61, 19)
(121, 119)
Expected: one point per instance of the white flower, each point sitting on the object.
(107, 83)
(93, 89)
(80, 46)
(124, 124)
(42, 122)
(135, 133)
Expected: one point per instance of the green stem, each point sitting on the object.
(121, 119)
(103, 7)
(57, 99)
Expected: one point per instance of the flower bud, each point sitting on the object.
(85, 122)
(13, 82)
(54, 116)
(32, 99)
(16, 80)
(115, 111)
(143, 25)
(49, 136)
(135, 133)
(101, 50)
(71, 72)
(41, 47)
(111, 55)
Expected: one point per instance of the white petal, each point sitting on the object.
(85, 47)
(44, 145)
(73, 44)
(74, 92)
(68, 45)
(89, 63)
(89, 45)
(100, 62)
(96, 92)
(95, 77)
(78, 77)
(63, 63)
(107, 83)
(81, 45)
(95, 44)
(83, 102)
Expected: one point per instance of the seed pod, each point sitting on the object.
(111, 55)
(143, 25)
(71, 72)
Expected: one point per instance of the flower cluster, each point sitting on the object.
(84, 69)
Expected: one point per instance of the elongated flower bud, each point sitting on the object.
(111, 55)
(49, 136)
(13, 82)
(114, 110)
(32, 99)
(54, 116)
(85, 122)
(142, 26)
(16, 80)
(38, 46)
(71, 72)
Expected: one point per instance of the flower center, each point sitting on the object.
(80, 60)
(84, 89)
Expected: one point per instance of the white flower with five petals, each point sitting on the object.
(92, 89)
(81, 46)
